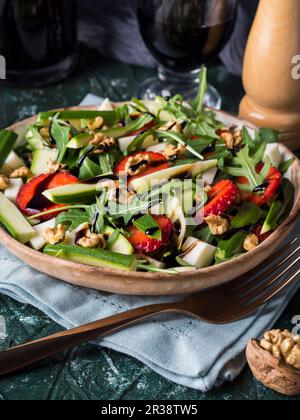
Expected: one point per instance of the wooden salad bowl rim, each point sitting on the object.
(142, 283)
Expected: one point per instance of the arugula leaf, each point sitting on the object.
(137, 143)
(198, 103)
(249, 214)
(206, 130)
(262, 137)
(89, 169)
(247, 139)
(176, 107)
(127, 211)
(280, 208)
(105, 163)
(72, 218)
(179, 138)
(7, 142)
(60, 133)
(268, 135)
(122, 112)
(139, 105)
(153, 269)
(96, 213)
(182, 263)
(44, 213)
(205, 235)
(147, 224)
(285, 166)
(230, 248)
(112, 239)
(248, 168)
(259, 154)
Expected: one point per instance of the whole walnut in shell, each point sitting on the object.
(275, 361)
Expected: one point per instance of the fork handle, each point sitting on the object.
(27, 354)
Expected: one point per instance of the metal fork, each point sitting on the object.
(223, 305)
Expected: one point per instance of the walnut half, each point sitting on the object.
(4, 182)
(275, 373)
(22, 172)
(217, 224)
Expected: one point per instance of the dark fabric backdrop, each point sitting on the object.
(110, 27)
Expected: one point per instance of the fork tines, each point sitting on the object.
(263, 284)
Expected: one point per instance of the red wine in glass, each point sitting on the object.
(183, 35)
(38, 40)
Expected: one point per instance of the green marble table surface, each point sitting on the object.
(87, 372)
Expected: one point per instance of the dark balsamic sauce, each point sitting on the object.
(151, 231)
(261, 188)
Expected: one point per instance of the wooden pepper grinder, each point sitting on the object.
(273, 91)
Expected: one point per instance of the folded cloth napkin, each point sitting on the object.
(181, 349)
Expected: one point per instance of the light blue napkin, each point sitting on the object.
(181, 349)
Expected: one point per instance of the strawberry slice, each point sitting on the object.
(152, 170)
(156, 162)
(144, 243)
(270, 188)
(155, 159)
(143, 129)
(222, 196)
(30, 199)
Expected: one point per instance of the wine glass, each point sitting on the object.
(183, 35)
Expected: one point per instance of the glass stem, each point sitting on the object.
(169, 76)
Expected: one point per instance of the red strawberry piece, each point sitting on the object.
(144, 243)
(157, 162)
(30, 199)
(222, 196)
(151, 170)
(273, 182)
(32, 189)
(154, 160)
(142, 130)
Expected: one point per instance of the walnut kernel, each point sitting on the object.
(45, 132)
(251, 242)
(96, 124)
(232, 137)
(4, 182)
(136, 164)
(217, 224)
(173, 152)
(54, 166)
(55, 235)
(22, 172)
(102, 142)
(283, 345)
(92, 241)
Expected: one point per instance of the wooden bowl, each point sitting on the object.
(138, 283)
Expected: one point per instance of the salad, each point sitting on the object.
(153, 186)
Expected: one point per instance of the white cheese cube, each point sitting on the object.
(158, 148)
(70, 238)
(273, 153)
(106, 105)
(209, 176)
(14, 161)
(197, 253)
(13, 189)
(124, 142)
(38, 241)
